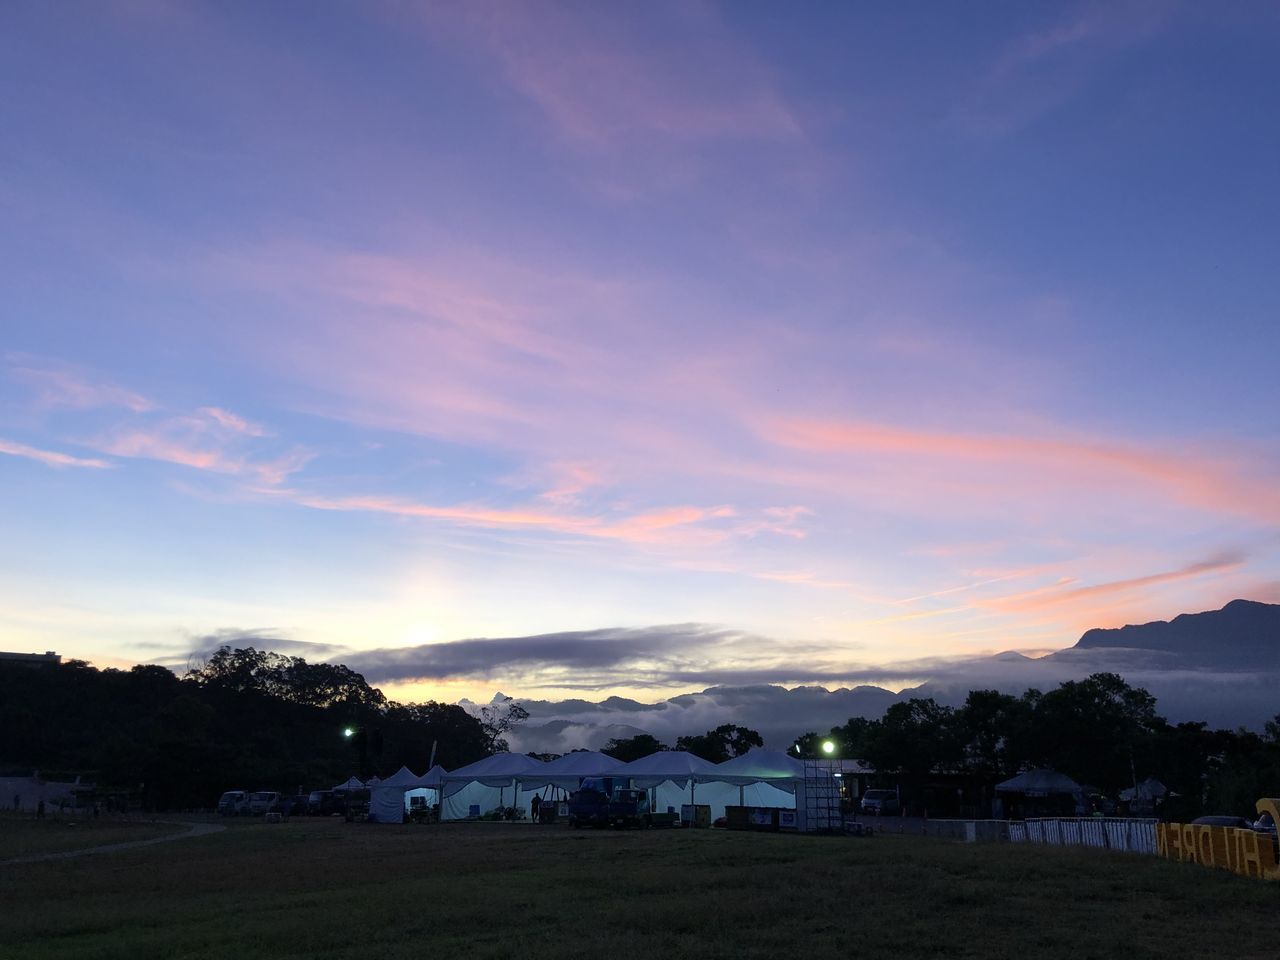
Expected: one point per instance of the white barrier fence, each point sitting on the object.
(1106, 833)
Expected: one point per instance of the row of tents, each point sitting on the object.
(759, 778)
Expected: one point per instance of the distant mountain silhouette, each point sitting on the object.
(777, 713)
(1221, 666)
(1243, 634)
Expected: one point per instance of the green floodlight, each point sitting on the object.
(348, 732)
(828, 747)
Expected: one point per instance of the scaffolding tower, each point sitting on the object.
(818, 799)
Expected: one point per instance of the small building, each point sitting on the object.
(34, 661)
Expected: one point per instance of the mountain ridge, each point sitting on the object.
(1242, 632)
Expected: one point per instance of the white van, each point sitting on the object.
(233, 803)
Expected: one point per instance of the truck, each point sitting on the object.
(606, 802)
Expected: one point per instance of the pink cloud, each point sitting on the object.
(60, 386)
(569, 480)
(49, 457)
(1207, 482)
(232, 422)
(665, 525)
(212, 439)
(156, 446)
(1063, 594)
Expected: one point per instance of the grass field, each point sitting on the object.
(326, 889)
(21, 835)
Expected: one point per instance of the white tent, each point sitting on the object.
(404, 777)
(758, 766)
(758, 778)
(1040, 783)
(427, 786)
(350, 785)
(432, 779)
(676, 766)
(386, 797)
(486, 784)
(567, 772)
(669, 775)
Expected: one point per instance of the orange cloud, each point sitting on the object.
(1062, 594)
(1203, 482)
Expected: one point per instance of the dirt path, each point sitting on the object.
(197, 830)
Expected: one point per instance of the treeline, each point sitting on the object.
(246, 718)
(723, 743)
(1099, 731)
(256, 719)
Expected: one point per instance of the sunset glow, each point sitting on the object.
(829, 341)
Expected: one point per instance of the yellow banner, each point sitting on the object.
(1246, 852)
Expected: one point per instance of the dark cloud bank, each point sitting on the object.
(1221, 666)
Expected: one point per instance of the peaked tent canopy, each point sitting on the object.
(678, 766)
(433, 779)
(567, 771)
(756, 766)
(404, 777)
(485, 785)
(1148, 789)
(352, 784)
(1040, 783)
(498, 770)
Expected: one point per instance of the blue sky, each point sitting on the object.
(865, 334)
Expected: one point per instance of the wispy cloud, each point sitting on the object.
(1209, 482)
(1045, 67)
(60, 385)
(1065, 593)
(605, 79)
(232, 422)
(50, 457)
(211, 439)
(661, 525)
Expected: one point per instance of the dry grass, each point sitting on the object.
(328, 889)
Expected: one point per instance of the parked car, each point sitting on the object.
(261, 801)
(233, 803)
(881, 803)
(1215, 820)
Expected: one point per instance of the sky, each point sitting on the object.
(657, 345)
